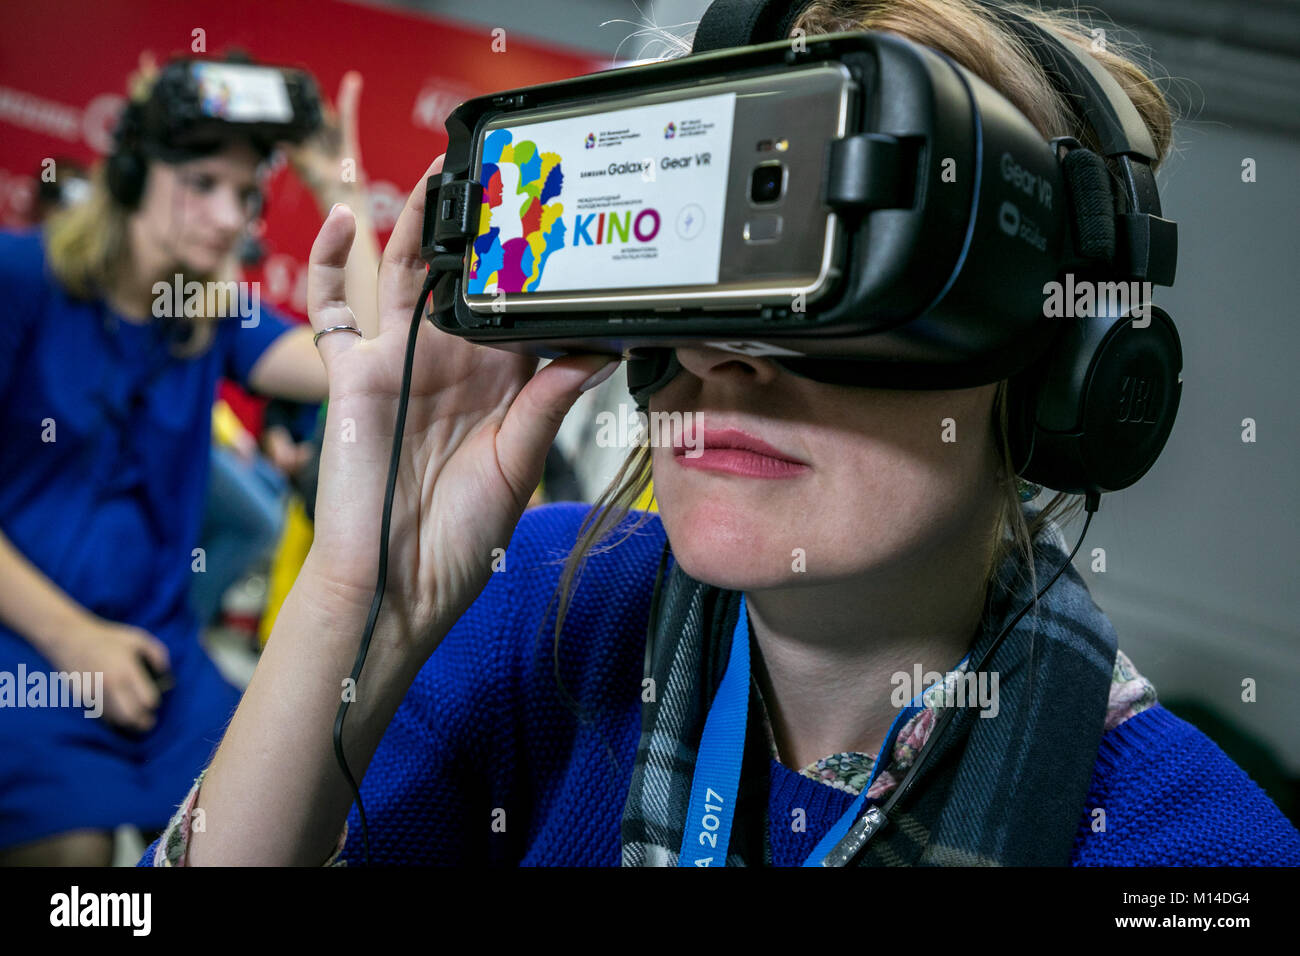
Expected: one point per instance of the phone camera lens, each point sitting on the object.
(765, 183)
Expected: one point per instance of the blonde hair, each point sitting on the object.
(974, 37)
(86, 242)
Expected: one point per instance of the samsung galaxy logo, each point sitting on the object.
(1031, 184)
(618, 169)
(597, 229)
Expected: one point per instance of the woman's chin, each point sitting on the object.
(749, 577)
(201, 261)
(735, 564)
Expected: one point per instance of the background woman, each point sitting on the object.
(106, 417)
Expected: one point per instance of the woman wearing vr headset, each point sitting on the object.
(107, 421)
(864, 548)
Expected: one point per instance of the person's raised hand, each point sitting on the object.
(320, 159)
(479, 424)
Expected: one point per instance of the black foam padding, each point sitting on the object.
(732, 23)
(1093, 204)
(650, 371)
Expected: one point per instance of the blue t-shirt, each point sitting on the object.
(104, 444)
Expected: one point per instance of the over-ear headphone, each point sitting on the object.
(124, 170)
(1093, 413)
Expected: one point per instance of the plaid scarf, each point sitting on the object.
(1003, 791)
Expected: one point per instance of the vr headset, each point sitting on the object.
(856, 207)
(195, 107)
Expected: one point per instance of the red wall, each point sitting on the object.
(64, 66)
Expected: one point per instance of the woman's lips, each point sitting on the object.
(736, 461)
(733, 452)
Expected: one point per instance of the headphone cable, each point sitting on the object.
(850, 848)
(394, 462)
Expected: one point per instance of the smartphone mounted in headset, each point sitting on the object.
(194, 106)
(198, 101)
(870, 213)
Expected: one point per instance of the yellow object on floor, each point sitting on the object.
(644, 503)
(647, 500)
(226, 427)
(289, 556)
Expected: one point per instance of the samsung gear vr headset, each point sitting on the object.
(941, 284)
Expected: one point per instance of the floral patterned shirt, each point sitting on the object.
(1130, 693)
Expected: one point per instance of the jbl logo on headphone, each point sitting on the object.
(1135, 401)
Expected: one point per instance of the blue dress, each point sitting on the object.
(104, 456)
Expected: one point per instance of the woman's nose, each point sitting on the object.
(227, 211)
(707, 362)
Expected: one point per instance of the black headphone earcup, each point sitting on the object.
(251, 251)
(124, 174)
(1095, 414)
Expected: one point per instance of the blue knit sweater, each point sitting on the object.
(483, 761)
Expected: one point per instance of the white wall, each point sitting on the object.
(1202, 572)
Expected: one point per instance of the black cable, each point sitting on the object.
(393, 462)
(870, 823)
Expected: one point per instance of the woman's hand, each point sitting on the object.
(119, 651)
(319, 160)
(329, 163)
(479, 424)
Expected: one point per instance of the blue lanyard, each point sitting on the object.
(717, 765)
(712, 809)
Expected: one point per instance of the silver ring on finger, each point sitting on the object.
(336, 328)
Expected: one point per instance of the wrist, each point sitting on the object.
(60, 635)
(341, 609)
(348, 601)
